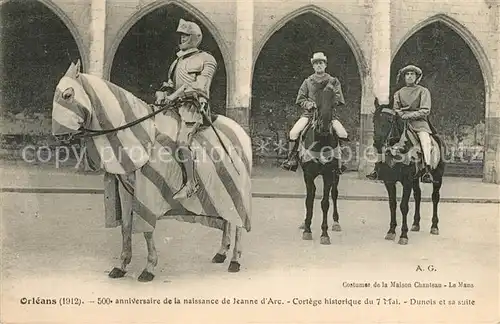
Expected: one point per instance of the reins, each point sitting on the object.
(389, 134)
(86, 132)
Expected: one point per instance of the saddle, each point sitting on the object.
(409, 145)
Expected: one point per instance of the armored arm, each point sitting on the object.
(166, 88)
(205, 71)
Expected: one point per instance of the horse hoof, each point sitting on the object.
(302, 226)
(307, 236)
(434, 231)
(403, 241)
(390, 236)
(234, 266)
(219, 258)
(117, 273)
(415, 228)
(325, 240)
(336, 227)
(146, 276)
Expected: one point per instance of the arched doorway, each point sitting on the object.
(144, 55)
(38, 49)
(281, 67)
(454, 77)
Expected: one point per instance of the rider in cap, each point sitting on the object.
(306, 99)
(413, 104)
(189, 77)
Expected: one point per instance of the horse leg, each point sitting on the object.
(220, 257)
(126, 255)
(325, 206)
(404, 206)
(417, 195)
(234, 265)
(311, 193)
(436, 187)
(147, 273)
(335, 194)
(391, 190)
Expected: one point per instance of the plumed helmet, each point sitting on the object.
(410, 68)
(193, 30)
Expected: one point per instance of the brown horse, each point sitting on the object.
(388, 129)
(317, 157)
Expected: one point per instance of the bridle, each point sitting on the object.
(390, 132)
(84, 132)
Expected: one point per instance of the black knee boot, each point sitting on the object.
(343, 143)
(427, 176)
(292, 163)
(374, 174)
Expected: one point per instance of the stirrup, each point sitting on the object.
(373, 175)
(289, 166)
(184, 192)
(427, 178)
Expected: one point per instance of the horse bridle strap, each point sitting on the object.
(85, 132)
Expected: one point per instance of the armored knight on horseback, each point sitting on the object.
(412, 103)
(189, 77)
(306, 99)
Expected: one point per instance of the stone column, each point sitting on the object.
(491, 170)
(240, 96)
(377, 82)
(97, 48)
(97, 36)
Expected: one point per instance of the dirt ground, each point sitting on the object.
(54, 245)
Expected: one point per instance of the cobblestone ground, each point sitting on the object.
(54, 245)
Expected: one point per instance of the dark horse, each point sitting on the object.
(388, 129)
(318, 139)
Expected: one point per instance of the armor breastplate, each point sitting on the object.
(187, 69)
(194, 70)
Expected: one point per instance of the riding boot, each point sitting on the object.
(292, 162)
(343, 143)
(427, 176)
(374, 175)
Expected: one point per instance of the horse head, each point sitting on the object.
(386, 126)
(71, 106)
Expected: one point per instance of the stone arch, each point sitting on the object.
(281, 66)
(68, 22)
(457, 72)
(328, 17)
(40, 47)
(464, 33)
(149, 8)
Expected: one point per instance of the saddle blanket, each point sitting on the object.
(415, 153)
(225, 189)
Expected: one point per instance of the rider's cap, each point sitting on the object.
(410, 68)
(319, 56)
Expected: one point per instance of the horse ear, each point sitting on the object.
(78, 67)
(71, 70)
(376, 103)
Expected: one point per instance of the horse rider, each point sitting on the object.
(189, 77)
(412, 103)
(306, 99)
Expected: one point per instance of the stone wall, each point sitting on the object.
(476, 21)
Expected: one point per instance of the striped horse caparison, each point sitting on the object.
(141, 173)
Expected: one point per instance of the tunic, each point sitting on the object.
(415, 101)
(195, 70)
(314, 83)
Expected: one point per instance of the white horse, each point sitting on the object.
(135, 144)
